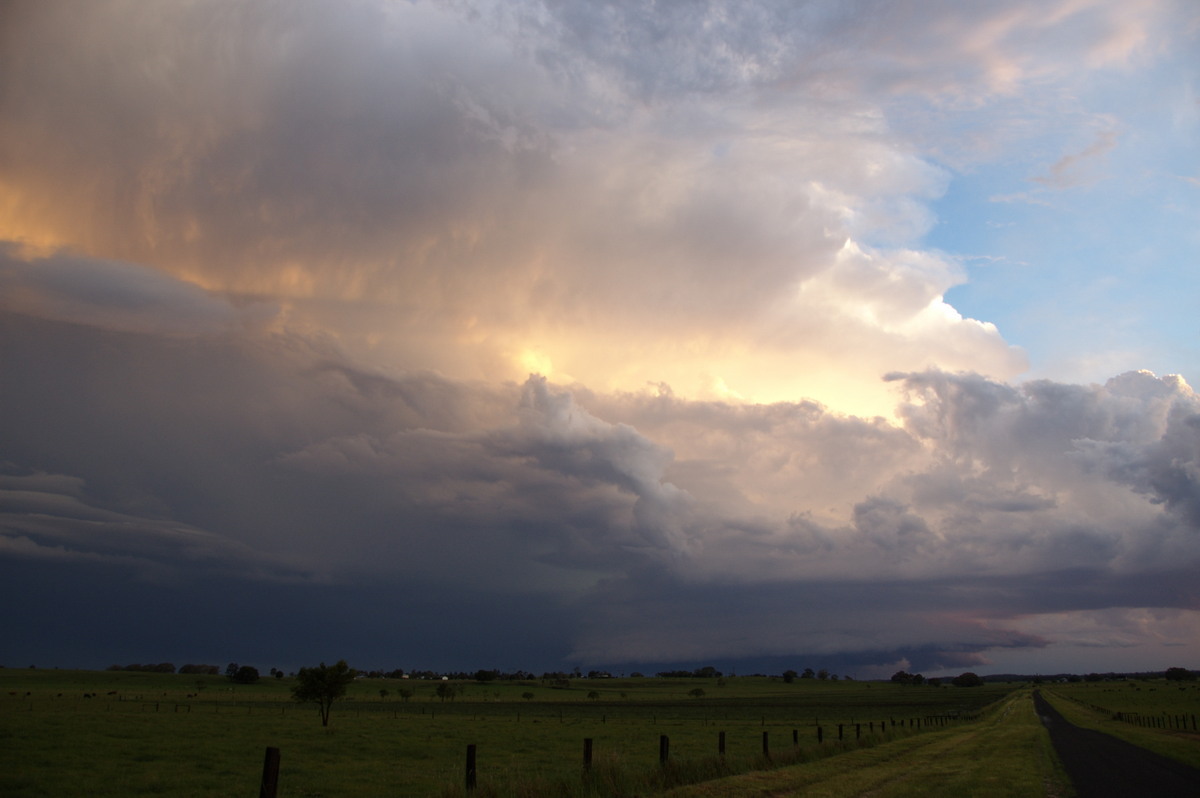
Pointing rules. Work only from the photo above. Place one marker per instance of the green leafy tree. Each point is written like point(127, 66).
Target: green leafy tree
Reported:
point(967, 679)
point(1179, 675)
point(323, 685)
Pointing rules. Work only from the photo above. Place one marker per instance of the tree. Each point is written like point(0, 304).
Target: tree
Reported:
point(789, 676)
point(247, 674)
point(323, 685)
point(1179, 675)
point(696, 692)
point(967, 679)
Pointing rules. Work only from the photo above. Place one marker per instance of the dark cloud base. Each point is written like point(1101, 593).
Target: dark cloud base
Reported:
point(76, 616)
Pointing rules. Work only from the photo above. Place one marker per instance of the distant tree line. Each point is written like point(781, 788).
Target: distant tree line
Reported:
point(200, 670)
point(967, 679)
point(707, 672)
point(790, 676)
point(162, 667)
point(247, 674)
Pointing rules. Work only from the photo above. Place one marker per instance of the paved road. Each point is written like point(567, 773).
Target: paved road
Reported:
point(1102, 766)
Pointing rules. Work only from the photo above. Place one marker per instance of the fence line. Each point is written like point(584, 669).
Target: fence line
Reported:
point(1184, 722)
point(270, 773)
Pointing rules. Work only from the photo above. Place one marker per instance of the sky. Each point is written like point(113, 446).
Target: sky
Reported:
point(612, 335)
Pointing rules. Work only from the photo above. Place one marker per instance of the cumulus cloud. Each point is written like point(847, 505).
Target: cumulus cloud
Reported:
point(496, 203)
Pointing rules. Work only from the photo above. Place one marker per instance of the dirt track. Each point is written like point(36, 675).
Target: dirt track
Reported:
point(1101, 766)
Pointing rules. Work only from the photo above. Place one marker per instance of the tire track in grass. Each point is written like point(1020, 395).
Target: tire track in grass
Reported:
point(878, 785)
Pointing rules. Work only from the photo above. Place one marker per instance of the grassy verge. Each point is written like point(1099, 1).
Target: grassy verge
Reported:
point(1181, 746)
point(1005, 755)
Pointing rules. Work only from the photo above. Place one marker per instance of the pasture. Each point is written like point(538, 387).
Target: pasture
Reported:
point(1155, 714)
point(143, 733)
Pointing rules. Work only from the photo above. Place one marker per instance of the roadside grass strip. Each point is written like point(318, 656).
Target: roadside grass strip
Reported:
point(1007, 754)
point(1182, 746)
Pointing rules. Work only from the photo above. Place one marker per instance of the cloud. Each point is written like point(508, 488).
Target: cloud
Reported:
point(48, 517)
point(1073, 170)
point(629, 513)
point(116, 296)
point(572, 311)
point(466, 193)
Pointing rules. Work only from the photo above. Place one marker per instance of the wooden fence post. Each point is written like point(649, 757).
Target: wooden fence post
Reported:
point(766, 746)
point(270, 774)
point(587, 753)
point(795, 737)
point(839, 731)
point(820, 735)
point(721, 744)
point(664, 749)
point(471, 767)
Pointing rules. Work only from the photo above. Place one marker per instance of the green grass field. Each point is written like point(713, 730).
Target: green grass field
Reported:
point(1174, 705)
point(146, 733)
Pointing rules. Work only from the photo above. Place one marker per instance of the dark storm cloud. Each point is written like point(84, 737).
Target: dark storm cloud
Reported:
point(664, 529)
